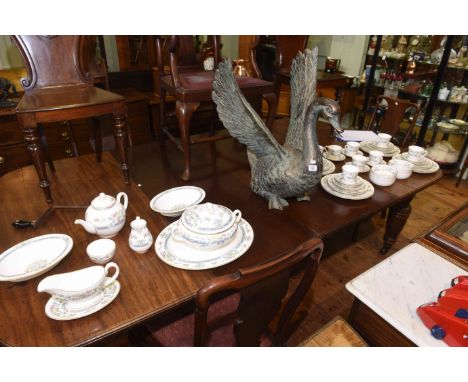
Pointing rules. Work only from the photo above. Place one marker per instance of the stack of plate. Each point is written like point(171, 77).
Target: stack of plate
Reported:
point(424, 166)
point(388, 151)
point(360, 189)
point(328, 167)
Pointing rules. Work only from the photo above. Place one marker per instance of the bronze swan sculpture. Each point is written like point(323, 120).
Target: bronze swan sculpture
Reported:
point(291, 170)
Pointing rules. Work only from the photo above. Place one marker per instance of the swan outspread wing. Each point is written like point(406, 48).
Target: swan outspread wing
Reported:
point(239, 117)
point(303, 88)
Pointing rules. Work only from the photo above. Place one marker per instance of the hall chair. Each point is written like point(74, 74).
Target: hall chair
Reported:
point(389, 115)
point(191, 85)
point(251, 307)
point(58, 89)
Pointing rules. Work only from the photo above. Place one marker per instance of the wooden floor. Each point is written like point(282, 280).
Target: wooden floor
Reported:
point(343, 260)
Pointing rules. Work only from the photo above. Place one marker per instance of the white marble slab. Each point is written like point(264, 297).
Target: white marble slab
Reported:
point(397, 286)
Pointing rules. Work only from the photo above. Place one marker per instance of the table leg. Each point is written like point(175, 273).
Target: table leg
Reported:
point(31, 135)
point(120, 131)
point(397, 217)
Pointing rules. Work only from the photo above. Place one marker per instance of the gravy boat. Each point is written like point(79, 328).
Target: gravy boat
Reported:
point(79, 285)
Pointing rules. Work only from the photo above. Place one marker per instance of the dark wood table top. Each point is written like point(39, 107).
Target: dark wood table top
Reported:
point(324, 79)
point(149, 286)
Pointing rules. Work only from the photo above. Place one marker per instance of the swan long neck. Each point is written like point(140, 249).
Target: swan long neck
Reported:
point(311, 150)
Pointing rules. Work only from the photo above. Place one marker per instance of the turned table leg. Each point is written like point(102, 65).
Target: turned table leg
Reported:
point(31, 136)
point(120, 131)
point(184, 111)
point(396, 219)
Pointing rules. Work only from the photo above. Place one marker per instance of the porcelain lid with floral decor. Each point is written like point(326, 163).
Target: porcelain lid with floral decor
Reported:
point(103, 201)
point(208, 218)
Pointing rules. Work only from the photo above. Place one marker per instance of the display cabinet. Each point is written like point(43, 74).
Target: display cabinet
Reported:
point(431, 71)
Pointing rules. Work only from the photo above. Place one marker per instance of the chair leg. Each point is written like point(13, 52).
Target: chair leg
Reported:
point(45, 146)
point(120, 132)
point(272, 101)
point(76, 153)
point(97, 134)
point(184, 111)
point(31, 135)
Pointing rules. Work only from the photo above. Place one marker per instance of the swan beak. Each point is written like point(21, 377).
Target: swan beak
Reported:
point(336, 125)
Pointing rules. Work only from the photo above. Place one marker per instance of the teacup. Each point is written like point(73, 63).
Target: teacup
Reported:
point(416, 153)
point(349, 173)
point(375, 157)
point(383, 140)
point(403, 167)
point(352, 148)
point(334, 151)
point(101, 251)
point(359, 161)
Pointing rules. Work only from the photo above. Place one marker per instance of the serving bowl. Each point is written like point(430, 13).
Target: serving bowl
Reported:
point(175, 201)
point(403, 167)
point(207, 226)
point(383, 175)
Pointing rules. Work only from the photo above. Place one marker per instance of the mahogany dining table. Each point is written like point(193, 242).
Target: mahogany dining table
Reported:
point(149, 287)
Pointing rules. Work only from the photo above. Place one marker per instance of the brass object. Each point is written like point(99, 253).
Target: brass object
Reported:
point(2, 160)
point(240, 70)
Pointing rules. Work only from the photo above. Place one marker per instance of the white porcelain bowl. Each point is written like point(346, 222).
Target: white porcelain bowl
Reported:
point(101, 251)
point(383, 175)
point(403, 167)
point(175, 201)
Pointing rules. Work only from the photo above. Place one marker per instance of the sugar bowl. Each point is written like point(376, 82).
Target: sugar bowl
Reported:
point(207, 226)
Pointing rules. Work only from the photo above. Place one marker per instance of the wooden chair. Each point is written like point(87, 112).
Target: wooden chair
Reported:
point(389, 115)
point(191, 85)
point(258, 296)
point(56, 90)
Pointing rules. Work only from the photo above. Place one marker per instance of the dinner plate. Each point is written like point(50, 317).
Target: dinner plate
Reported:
point(61, 310)
point(33, 257)
point(389, 151)
point(180, 255)
point(425, 166)
point(328, 167)
point(331, 184)
point(175, 201)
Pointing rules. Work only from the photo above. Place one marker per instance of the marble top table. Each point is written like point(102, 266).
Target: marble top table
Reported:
point(397, 286)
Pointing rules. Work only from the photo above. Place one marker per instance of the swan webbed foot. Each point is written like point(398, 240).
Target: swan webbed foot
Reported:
point(277, 203)
point(303, 198)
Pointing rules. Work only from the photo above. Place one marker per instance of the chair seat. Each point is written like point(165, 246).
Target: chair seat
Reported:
point(201, 83)
point(65, 97)
point(220, 319)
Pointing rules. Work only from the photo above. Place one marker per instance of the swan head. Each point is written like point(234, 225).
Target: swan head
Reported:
point(331, 110)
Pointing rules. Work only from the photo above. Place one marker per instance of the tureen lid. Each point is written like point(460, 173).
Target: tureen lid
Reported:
point(103, 201)
point(208, 218)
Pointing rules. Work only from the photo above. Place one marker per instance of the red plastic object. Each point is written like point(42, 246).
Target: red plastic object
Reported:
point(447, 318)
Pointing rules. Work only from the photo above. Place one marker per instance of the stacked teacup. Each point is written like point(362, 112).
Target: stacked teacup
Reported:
point(352, 148)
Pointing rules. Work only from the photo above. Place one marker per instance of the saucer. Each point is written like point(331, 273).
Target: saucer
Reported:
point(61, 310)
point(362, 189)
point(180, 255)
point(425, 166)
point(359, 152)
point(363, 168)
point(372, 164)
point(338, 158)
point(388, 151)
point(328, 167)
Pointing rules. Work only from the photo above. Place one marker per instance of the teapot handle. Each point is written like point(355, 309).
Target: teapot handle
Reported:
point(116, 273)
point(238, 215)
point(119, 196)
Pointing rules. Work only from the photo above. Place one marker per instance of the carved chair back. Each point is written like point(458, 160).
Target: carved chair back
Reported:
point(286, 50)
point(389, 114)
point(90, 62)
point(52, 61)
point(265, 292)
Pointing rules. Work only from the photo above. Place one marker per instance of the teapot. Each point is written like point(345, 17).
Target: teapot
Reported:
point(105, 216)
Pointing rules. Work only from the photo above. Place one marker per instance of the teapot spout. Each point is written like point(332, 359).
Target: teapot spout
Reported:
point(86, 225)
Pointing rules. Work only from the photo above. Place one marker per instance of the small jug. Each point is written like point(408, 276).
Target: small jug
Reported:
point(140, 238)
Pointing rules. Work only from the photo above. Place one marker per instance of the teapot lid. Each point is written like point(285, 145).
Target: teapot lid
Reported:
point(103, 201)
point(208, 218)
